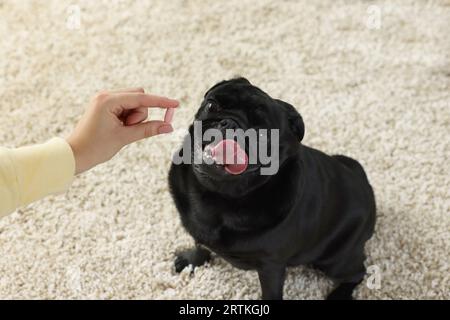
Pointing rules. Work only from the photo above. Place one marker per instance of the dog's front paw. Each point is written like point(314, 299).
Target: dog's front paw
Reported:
point(195, 257)
point(180, 263)
point(342, 292)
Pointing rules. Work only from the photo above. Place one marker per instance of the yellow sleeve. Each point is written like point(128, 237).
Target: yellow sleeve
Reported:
point(30, 173)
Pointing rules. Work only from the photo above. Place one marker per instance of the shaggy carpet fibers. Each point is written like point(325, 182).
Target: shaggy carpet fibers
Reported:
point(371, 79)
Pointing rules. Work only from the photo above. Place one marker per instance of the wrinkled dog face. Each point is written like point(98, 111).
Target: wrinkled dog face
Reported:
point(245, 137)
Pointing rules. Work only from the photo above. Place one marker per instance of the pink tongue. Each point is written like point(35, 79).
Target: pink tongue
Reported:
point(230, 154)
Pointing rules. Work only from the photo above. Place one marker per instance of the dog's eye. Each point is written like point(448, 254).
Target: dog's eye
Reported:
point(212, 106)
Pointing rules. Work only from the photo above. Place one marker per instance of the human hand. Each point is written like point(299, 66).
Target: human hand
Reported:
point(113, 120)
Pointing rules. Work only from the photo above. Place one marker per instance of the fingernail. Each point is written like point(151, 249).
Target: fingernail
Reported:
point(175, 102)
point(165, 129)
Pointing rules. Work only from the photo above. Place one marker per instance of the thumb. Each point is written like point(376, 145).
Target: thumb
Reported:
point(146, 130)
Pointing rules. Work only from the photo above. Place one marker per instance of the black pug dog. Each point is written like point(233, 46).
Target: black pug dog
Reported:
point(317, 209)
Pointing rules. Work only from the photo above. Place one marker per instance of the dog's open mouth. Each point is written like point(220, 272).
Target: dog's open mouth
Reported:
point(229, 154)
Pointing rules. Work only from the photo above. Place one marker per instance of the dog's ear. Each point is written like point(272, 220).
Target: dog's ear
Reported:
point(235, 80)
point(295, 119)
point(239, 79)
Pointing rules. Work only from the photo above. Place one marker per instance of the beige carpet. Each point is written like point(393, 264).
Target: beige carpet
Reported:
point(377, 90)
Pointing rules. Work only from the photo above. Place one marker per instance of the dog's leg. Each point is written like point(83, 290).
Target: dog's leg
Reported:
point(196, 257)
point(271, 279)
point(343, 291)
point(347, 273)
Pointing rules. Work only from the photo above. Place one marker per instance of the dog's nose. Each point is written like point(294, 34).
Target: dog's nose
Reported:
point(227, 124)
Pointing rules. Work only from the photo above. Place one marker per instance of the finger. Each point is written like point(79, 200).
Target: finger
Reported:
point(135, 116)
point(134, 100)
point(168, 117)
point(125, 90)
point(145, 130)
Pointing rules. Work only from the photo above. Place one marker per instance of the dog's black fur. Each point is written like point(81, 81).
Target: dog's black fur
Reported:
point(317, 210)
